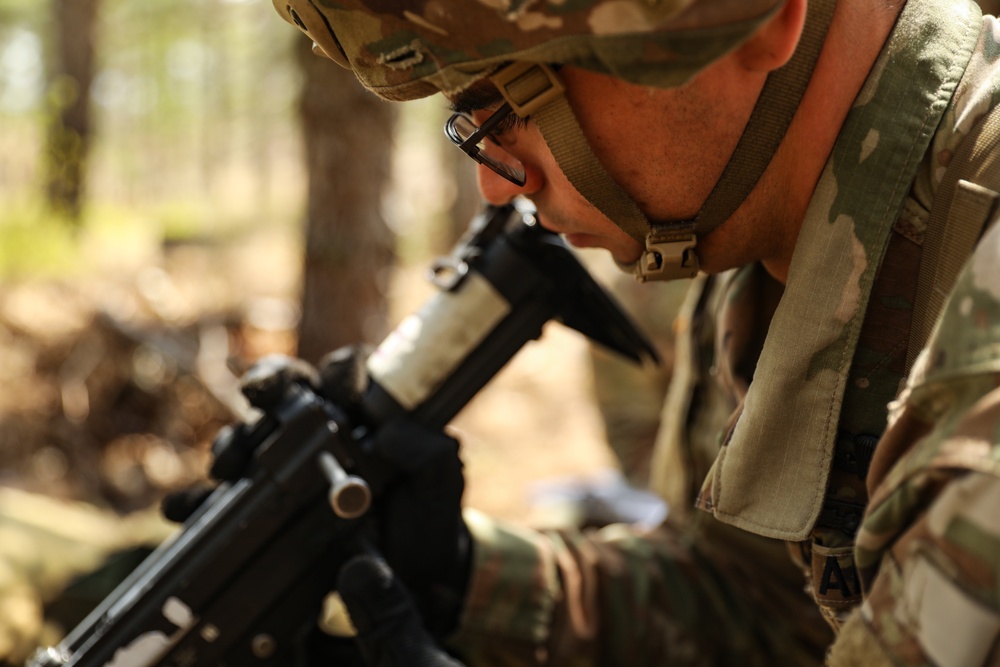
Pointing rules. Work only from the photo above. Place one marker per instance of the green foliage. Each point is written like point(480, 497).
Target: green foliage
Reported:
point(33, 242)
point(36, 242)
point(194, 120)
point(181, 220)
point(11, 10)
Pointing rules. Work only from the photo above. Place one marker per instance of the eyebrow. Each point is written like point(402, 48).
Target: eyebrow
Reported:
point(476, 98)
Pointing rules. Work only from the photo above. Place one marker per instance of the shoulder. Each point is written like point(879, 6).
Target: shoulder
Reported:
point(976, 93)
point(966, 338)
point(928, 547)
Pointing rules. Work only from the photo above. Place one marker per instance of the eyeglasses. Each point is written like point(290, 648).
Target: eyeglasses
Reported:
point(481, 145)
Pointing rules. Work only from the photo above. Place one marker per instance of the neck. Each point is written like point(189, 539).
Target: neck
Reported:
point(857, 33)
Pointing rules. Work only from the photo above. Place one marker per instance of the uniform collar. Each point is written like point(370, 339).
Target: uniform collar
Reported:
point(770, 477)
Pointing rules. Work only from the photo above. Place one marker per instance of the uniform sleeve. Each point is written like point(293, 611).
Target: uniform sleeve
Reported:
point(621, 597)
point(928, 551)
point(932, 551)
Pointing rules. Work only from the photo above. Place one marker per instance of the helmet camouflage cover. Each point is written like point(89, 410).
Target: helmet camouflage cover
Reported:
point(407, 49)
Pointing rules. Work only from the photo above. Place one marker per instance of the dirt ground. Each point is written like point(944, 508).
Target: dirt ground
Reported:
point(116, 382)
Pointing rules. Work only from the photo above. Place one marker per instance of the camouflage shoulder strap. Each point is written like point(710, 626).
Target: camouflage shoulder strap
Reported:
point(965, 205)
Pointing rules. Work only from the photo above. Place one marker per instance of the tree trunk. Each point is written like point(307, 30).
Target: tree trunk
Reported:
point(74, 27)
point(991, 7)
point(349, 250)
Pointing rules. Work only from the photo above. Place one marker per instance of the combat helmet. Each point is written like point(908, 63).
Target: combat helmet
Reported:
point(407, 49)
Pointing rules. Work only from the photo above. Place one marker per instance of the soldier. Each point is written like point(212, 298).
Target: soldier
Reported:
point(824, 179)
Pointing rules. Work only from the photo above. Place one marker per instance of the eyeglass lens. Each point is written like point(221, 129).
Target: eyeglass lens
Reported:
point(461, 128)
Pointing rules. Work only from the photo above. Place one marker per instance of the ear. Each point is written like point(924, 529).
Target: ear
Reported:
point(773, 44)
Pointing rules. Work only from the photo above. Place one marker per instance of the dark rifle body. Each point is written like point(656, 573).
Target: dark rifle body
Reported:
point(243, 581)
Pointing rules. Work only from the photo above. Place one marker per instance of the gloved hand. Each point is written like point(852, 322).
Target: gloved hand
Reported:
point(264, 385)
point(417, 520)
point(416, 523)
point(390, 632)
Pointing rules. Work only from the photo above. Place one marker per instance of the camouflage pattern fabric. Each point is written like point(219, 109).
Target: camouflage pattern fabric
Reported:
point(789, 422)
point(617, 597)
point(698, 592)
point(406, 49)
point(928, 551)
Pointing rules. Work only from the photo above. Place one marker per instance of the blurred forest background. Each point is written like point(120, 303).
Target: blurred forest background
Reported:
point(185, 187)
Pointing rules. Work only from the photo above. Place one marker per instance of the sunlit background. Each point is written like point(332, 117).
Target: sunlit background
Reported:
point(193, 128)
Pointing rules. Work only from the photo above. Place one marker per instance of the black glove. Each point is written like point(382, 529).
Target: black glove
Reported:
point(418, 519)
point(178, 506)
point(264, 385)
point(416, 522)
point(390, 632)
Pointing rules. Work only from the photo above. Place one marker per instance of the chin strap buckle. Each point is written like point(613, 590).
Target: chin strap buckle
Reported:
point(668, 260)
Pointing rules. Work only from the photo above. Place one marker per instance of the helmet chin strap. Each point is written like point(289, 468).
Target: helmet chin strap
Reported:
point(534, 89)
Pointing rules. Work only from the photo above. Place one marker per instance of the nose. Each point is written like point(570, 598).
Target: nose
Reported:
point(498, 191)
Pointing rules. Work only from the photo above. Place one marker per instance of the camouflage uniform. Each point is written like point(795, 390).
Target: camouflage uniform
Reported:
point(757, 363)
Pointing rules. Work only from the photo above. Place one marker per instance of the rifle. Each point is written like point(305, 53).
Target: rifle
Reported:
point(244, 579)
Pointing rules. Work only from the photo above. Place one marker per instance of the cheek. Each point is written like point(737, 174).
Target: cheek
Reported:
point(666, 148)
point(498, 190)
point(648, 147)
point(494, 188)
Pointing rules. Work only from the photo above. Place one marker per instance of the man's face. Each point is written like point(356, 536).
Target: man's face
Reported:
point(665, 148)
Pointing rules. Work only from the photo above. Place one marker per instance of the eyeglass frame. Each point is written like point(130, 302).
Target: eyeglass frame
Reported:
point(505, 80)
point(470, 146)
